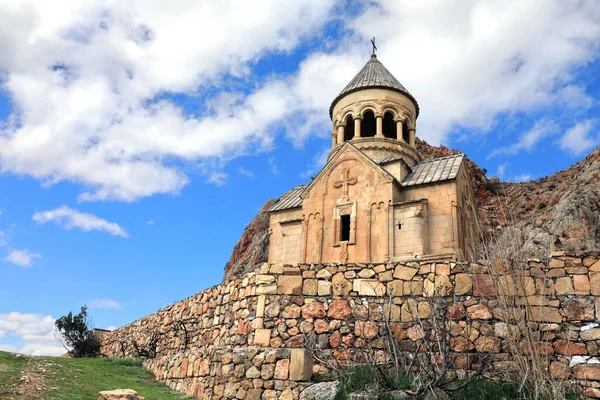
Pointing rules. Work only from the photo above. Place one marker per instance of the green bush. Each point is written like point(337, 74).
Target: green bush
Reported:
point(76, 334)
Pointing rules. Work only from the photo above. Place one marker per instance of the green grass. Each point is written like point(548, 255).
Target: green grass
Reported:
point(364, 379)
point(84, 378)
point(10, 371)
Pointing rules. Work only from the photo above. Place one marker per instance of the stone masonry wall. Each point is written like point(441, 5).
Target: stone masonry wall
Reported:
point(246, 339)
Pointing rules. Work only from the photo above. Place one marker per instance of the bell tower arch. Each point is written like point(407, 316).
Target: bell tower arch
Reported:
point(377, 115)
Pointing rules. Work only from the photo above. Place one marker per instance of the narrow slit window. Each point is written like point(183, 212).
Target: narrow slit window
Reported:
point(345, 228)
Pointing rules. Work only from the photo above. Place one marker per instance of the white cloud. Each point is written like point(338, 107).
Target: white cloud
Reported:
point(36, 332)
point(3, 240)
point(105, 303)
point(501, 170)
point(111, 328)
point(70, 218)
point(22, 258)
point(8, 347)
point(319, 160)
point(150, 222)
point(246, 172)
point(577, 139)
point(522, 178)
point(273, 166)
point(100, 65)
point(540, 130)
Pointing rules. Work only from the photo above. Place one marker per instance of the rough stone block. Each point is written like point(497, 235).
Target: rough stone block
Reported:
point(369, 287)
point(462, 284)
point(260, 306)
point(289, 284)
point(301, 365)
point(581, 284)
point(266, 289)
point(310, 287)
point(589, 372)
point(324, 288)
point(282, 369)
point(405, 273)
point(545, 314)
point(483, 285)
point(564, 286)
point(595, 282)
point(262, 337)
point(120, 394)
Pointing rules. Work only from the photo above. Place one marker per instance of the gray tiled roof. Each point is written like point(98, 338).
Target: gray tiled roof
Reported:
point(373, 75)
point(289, 199)
point(438, 169)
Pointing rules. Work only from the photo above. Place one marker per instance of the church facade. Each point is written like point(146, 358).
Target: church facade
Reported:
point(376, 200)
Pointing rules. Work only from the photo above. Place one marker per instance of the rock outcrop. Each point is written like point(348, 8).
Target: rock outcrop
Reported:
point(253, 247)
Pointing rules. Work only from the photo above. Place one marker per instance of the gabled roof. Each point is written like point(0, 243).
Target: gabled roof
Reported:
point(347, 146)
point(290, 199)
point(428, 171)
point(373, 75)
point(436, 170)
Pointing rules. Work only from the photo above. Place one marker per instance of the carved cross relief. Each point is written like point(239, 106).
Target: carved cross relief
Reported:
point(345, 182)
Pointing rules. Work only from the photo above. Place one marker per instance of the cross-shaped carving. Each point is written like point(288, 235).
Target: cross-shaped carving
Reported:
point(345, 182)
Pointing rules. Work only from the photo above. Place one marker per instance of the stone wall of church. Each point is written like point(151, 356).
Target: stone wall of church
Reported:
point(285, 236)
point(247, 339)
point(441, 215)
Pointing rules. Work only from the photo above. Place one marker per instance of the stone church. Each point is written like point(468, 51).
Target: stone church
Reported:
point(376, 200)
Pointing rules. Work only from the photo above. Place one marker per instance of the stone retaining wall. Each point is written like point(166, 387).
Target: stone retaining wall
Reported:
point(246, 339)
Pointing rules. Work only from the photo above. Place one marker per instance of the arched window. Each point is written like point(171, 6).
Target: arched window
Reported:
point(368, 125)
point(405, 134)
point(349, 129)
point(389, 126)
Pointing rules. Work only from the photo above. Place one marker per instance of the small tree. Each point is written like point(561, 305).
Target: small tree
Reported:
point(75, 332)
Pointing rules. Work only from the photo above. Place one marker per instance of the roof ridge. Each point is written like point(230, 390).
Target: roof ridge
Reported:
point(373, 75)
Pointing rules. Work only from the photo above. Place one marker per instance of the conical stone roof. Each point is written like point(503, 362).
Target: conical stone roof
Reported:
point(373, 75)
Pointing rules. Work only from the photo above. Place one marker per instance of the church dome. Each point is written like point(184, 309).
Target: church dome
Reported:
point(374, 75)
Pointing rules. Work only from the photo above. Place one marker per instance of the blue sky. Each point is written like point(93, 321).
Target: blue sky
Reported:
point(137, 143)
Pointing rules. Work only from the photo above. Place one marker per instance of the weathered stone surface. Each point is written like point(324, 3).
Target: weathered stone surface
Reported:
point(341, 286)
point(320, 391)
point(301, 365)
point(589, 372)
point(120, 394)
point(289, 284)
point(568, 348)
point(313, 310)
point(483, 285)
point(405, 273)
point(339, 309)
point(369, 287)
point(564, 286)
point(366, 329)
point(578, 309)
point(455, 311)
point(479, 311)
point(282, 369)
point(310, 287)
point(443, 286)
point(262, 337)
point(462, 284)
point(545, 314)
point(595, 283)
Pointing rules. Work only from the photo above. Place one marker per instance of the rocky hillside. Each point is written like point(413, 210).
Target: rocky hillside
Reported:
point(558, 212)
